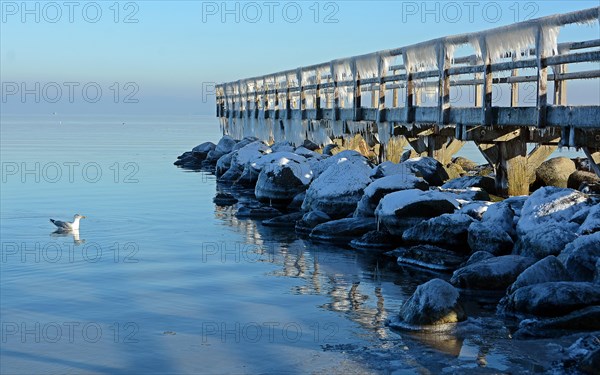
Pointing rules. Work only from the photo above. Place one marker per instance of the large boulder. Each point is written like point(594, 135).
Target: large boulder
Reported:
point(580, 256)
point(223, 147)
point(320, 165)
point(432, 304)
point(550, 299)
point(379, 240)
point(342, 231)
point(554, 172)
point(403, 209)
point(430, 169)
point(579, 178)
point(339, 188)
point(249, 153)
point(551, 205)
point(388, 168)
point(491, 274)
point(383, 186)
point(544, 240)
point(282, 176)
point(487, 237)
point(466, 164)
point(203, 149)
point(449, 230)
point(504, 215)
point(310, 220)
point(484, 182)
point(223, 164)
point(591, 223)
point(543, 271)
point(475, 209)
point(586, 319)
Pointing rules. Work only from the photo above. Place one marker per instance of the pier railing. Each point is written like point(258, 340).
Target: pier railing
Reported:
point(411, 90)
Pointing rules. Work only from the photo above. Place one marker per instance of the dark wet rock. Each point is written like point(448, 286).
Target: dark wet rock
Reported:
point(448, 230)
point(586, 319)
point(478, 256)
point(310, 145)
point(430, 257)
point(249, 177)
point(307, 153)
point(544, 240)
point(310, 220)
point(543, 271)
point(550, 299)
point(339, 188)
point(491, 274)
point(486, 183)
point(551, 204)
point(188, 161)
point(223, 164)
point(434, 303)
point(554, 172)
point(488, 238)
point(224, 199)
point(401, 210)
point(597, 272)
point(329, 148)
point(342, 231)
point(592, 221)
point(591, 362)
point(376, 240)
point(466, 164)
point(580, 256)
point(430, 169)
point(296, 203)
point(383, 186)
point(248, 212)
point(283, 221)
point(203, 149)
point(580, 356)
point(225, 145)
point(232, 175)
point(579, 178)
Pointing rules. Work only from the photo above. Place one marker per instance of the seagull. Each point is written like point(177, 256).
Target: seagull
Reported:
point(67, 225)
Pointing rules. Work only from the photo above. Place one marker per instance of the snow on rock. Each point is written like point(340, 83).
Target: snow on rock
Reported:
point(401, 210)
point(448, 230)
point(551, 204)
point(475, 209)
point(550, 299)
point(383, 186)
point(388, 168)
point(484, 182)
point(581, 255)
point(433, 303)
point(284, 176)
point(342, 231)
point(302, 151)
point(592, 221)
point(338, 189)
point(249, 153)
point(541, 241)
point(487, 237)
point(503, 215)
point(545, 270)
point(468, 194)
point(429, 257)
point(223, 147)
point(430, 169)
point(320, 166)
point(491, 274)
point(283, 146)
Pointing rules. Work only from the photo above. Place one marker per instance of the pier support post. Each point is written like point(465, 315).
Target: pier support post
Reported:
point(442, 149)
point(511, 168)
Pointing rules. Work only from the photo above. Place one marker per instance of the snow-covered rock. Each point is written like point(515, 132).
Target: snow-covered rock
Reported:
point(592, 221)
point(319, 166)
point(541, 241)
point(339, 188)
point(449, 230)
point(342, 231)
point(223, 147)
point(283, 146)
point(580, 256)
point(429, 256)
point(302, 151)
point(468, 194)
point(543, 271)
point(430, 169)
point(504, 215)
point(550, 299)
point(383, 186)
point(484, 182)
point(551, 204)
point(487, 237)
point(249, 153)
point(284, 177)
point(433, 303)
point(475, 209)
point(400, 210)
point(491, 274)
point(388, 168)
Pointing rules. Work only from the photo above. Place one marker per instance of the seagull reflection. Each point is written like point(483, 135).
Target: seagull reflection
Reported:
point(66, 233)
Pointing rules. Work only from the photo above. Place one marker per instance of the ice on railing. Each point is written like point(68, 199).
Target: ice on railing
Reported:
point(421, 58)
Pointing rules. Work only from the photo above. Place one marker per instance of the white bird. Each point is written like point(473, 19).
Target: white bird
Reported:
point(67, 225)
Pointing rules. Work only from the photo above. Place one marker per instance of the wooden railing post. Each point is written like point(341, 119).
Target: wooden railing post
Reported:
point(514, 87)
point(542, 82)
point(410, 92)
point(486, 94)
point(356, 103)
point(443, 84)
point(336, 98)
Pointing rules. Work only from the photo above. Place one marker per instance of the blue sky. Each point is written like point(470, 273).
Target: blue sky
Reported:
point(168, 50)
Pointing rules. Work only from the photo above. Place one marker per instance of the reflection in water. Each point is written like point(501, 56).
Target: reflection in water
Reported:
point(67, 233)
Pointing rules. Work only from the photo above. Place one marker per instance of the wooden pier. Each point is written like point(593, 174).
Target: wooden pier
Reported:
point(413, 91)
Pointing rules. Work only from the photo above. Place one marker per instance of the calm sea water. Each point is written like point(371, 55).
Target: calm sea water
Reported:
point(159, 280)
